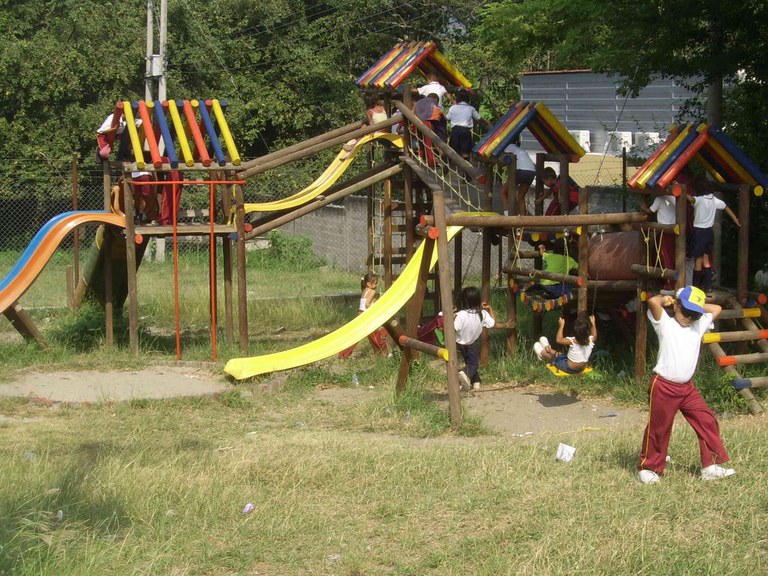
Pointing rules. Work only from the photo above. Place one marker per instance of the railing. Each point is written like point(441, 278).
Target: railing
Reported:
point(455, 175)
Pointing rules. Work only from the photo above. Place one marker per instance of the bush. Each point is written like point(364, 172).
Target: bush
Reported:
point(287, 252)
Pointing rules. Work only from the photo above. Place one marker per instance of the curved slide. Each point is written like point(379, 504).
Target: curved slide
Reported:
point(380, 312)
point(329, 177)
point(41, 248)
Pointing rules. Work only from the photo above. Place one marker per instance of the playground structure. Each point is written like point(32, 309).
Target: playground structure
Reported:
point(434, 193)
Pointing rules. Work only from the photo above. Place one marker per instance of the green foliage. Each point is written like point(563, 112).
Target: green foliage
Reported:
point(287, 252)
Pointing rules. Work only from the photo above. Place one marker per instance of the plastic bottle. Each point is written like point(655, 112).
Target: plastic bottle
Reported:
point(355, 380)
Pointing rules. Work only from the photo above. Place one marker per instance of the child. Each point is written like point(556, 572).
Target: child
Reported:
point(525, 172)
point(672, 389)
point(462, 117)
point(705, 206)
point(110, 129)
point(377, 338)
point(664, 208)
point(559, 263)
point(552, 182)
point(469, 322)
point(579, 345)
point(374, 113)
point(433, 117)
point(433, 87)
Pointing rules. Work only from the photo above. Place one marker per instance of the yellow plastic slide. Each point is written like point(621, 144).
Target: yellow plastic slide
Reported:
point(329, 177)
point(380, 312)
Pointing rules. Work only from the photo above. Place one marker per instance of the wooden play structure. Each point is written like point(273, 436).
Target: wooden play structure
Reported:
point(436, 194)
point(428, 195)
point(168, 140)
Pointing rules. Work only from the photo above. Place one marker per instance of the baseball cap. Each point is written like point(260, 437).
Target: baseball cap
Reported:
point(691, 298)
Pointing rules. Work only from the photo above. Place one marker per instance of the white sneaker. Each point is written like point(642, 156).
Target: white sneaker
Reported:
point(464, 379)
point(544, 342)
point(538, 348)
point(476, 386)
point(715, 472)
point(648, 476)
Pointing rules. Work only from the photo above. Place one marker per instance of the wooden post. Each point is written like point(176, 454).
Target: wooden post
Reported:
point(410, 220)
point(226, 252)
point(413, 312)
point(386, 210)
point(538, 317)
point(109, 309)
point(583, 306)
point(242, 295)
point(485, 282)
point(742, 274)
point(641, 328)
point(76, 231)
point(565, 201)
point(454, 401)
point(681, 204)
point(20, 320)
point(109, 323)
point(130, 263)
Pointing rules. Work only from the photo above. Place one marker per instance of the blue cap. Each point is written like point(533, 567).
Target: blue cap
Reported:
point(692, 298)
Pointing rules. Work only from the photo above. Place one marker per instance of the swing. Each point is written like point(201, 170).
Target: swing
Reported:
point(557, 372)
point(587, 369)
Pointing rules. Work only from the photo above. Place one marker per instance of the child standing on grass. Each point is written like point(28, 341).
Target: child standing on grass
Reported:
point(579, 346)
point(469, 322)
point(377, 338)
point(672, 389)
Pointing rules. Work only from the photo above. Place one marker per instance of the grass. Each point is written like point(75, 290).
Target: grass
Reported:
point(158, 487)
point(376, 484)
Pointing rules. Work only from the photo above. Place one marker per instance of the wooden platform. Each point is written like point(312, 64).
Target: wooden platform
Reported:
point(185, 229)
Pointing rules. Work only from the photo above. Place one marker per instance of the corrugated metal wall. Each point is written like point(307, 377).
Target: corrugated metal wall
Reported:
point(588, 102)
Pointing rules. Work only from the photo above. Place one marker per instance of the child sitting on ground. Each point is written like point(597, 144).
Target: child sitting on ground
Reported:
point(579, 346)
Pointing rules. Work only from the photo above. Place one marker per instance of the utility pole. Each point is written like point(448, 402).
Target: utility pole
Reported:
point(155, 68)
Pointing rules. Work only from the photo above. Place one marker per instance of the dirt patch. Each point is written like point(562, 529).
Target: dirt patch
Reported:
point(95, 386)
point(511, 411)
point(520, 412)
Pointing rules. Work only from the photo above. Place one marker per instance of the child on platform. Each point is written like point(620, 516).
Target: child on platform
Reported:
point(462, 117)
point(664, 208)
point(472, 317)
point(671, 388)
point(579, 346)
point(374, 113)
point(705, 207)
point(377, 338)
point(552, 182)
point(525, 173)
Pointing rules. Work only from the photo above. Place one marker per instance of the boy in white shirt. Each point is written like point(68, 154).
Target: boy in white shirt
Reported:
point(672, 389)
point(705, 207)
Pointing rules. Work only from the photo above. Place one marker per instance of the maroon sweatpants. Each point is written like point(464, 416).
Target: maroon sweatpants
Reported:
point(665, 399)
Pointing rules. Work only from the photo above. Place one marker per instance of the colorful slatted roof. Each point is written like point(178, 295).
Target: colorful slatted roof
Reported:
point(407, 57)
point(535, 116)
point(711, 148)
point(190, 131)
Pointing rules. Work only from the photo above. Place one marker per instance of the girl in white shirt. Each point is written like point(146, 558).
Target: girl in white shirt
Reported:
point(579, 346)
point(469, 322)
point(377, 338)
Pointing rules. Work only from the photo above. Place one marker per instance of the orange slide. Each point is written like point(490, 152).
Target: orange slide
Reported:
point(41, 248)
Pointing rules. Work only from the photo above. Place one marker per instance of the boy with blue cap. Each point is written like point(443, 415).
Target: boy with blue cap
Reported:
point(672, 389)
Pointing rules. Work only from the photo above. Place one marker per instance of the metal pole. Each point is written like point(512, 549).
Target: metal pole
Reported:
point(150, 49)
